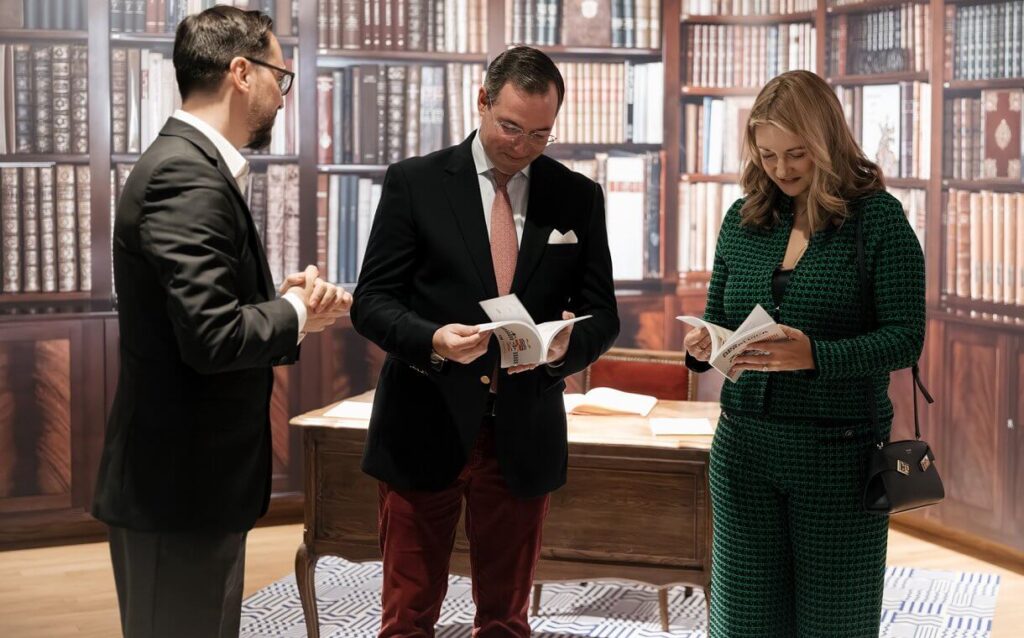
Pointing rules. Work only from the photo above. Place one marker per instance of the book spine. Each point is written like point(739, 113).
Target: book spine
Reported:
point(83, 181)
point(351, 23)
point(79, 99)
point(61, 89)
point(24, 131)
point(396, 94)
point(412, 110)
point(292, 219)
point(42, 78)
point(325, 123)
point(30, 231)
point(118, 100)
point(67, 231)
point(47, 229)
point(10, 230)
point(275, 221)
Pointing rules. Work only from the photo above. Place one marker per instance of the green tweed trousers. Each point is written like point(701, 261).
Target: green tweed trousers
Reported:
point(793, 555)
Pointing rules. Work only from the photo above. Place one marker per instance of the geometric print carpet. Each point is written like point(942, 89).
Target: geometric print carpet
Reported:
point(918, 603)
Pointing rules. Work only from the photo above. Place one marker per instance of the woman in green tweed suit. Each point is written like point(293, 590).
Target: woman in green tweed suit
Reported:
point(793, 554)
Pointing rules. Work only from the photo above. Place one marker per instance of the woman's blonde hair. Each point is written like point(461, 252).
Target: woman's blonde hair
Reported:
point(800, 103)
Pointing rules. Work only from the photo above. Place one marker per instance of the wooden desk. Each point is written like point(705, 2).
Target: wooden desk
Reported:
point(635, 507)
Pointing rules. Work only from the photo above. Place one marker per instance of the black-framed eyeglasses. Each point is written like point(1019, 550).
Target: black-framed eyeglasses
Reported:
point(516, 133)
point(284, 81)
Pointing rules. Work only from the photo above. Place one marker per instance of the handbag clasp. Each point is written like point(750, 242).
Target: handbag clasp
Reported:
point(902, 467)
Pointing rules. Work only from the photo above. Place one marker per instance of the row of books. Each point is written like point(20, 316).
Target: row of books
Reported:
point(982, 136)
point(346, 205)
point(44, 14)
point(984, 246)
point(144, 93)
point(45, 228)
point(702, 205)
point(720, 56)
point(747, 7)
point(891, 40)
point(377, 114)
point(274, 203)
point(632, 187)
point(584, 23)
point(611, 103)
point(163, 16)
point(45, 99)
point(914, 202)
point(455, 26)
point(711, 136)
point(984, 42)
point(273, 196)
point(893, 124)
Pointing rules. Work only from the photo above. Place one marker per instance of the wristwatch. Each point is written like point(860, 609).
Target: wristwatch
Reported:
point(436, 361)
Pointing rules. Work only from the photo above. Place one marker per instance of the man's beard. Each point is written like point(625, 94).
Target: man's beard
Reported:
point(260, 127)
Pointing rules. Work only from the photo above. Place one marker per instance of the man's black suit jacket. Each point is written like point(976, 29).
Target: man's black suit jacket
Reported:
point(428, 263)
point(188, 441)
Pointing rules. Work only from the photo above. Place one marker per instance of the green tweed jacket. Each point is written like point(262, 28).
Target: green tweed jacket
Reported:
point(823, 299)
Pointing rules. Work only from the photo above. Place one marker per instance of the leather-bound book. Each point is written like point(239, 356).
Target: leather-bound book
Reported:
point(1001, 150)
point(586, 23)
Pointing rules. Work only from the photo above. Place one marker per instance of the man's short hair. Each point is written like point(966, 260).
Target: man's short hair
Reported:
point(528, 70)
point(206, 42)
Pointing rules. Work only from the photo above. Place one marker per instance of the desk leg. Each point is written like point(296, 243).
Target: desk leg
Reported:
point(707, 606)
point(663, 607)
point(305, 568)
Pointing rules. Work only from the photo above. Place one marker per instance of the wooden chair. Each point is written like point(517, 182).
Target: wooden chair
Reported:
point(660, 373)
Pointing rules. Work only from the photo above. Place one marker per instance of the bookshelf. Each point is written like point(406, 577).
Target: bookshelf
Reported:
point(966, 336)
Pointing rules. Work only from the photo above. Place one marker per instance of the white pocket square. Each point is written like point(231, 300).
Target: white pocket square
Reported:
point(558, 238)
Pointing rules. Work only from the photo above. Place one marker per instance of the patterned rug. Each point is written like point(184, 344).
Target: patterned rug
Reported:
point(918, 604)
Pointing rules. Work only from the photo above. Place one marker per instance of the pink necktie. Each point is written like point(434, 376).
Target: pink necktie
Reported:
point(504, 242)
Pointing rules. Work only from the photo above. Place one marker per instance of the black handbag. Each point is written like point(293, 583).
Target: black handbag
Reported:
point(901, 475)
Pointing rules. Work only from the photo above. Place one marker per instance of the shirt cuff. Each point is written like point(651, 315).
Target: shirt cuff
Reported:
point(300, 312)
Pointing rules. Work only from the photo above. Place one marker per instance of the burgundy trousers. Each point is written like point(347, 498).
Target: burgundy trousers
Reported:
point(417, 532)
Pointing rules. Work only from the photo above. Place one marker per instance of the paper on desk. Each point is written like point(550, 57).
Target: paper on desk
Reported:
point(681, 427)
point(359, 410)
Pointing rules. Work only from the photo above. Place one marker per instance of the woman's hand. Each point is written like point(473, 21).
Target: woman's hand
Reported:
point(698, 344)
point(792, 353)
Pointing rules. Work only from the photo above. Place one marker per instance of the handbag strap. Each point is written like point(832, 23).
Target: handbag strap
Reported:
point(915, 371)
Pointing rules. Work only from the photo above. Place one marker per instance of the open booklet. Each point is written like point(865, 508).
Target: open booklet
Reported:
point(522, 341)
point(604, 401)
point(727, 344)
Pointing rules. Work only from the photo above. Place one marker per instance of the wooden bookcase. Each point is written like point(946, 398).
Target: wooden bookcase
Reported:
point(973, 362)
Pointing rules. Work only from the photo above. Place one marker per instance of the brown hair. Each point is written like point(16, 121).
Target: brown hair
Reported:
point(528, 69)
point(800, 103)
point(205, 44)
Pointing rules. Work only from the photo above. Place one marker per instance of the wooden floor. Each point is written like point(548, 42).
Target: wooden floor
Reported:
point(69, 591)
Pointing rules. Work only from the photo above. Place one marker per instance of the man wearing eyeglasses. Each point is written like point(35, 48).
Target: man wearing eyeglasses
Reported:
point(186, 463)
point(488, 217)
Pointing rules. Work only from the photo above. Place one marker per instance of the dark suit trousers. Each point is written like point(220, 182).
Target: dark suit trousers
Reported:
point(417, 532)
point(172, 585)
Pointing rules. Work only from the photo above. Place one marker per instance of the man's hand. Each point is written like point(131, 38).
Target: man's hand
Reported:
point(556, 351)
point(792, 353)
point(325, 297)
point(460, 343)
point(324, 302)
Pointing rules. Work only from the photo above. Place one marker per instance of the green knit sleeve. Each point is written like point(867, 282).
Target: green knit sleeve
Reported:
point(898, 296)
